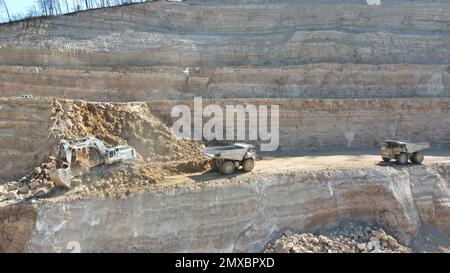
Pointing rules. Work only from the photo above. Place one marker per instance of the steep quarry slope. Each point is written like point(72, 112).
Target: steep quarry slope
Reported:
point(318, 81)
point(295, 50)
point(226, 40)
point(345, 75)
point(244, 213)
point(336, 125)
point(25, 135)
point(164, 33)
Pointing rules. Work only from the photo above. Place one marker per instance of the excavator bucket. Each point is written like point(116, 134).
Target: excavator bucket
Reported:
point(61, 177)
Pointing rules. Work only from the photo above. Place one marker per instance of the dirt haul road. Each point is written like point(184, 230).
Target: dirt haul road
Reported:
point(187, 174)
point(267, 164)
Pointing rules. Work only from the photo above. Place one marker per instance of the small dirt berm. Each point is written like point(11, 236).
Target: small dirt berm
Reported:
point(402, 151)
point(227, 159)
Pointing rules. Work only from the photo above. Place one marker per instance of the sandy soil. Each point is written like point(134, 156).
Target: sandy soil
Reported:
point(119, 181)
point(349, 160)
point(267, 164)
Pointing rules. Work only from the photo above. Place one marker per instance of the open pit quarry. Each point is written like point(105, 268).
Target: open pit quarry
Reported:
point(345, 75)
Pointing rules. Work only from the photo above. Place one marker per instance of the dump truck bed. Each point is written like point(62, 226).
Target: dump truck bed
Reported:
point(232, 152)
point(410, 146)
point(414, 147)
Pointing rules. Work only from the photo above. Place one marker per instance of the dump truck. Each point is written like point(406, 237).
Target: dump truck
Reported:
point(226, 159)
point(403, 151)
point(108, 154)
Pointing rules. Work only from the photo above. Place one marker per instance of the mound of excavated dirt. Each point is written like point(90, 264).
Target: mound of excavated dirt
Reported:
point(119, 181)
point(349, 239)
point(122, 124)
point(161, 153)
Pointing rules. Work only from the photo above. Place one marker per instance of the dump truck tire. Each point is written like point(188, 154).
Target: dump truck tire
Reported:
point(227, 167)
point(417, 157)
point(248, 164)
point(402, 158)
point(385, 159)
point(214, 165)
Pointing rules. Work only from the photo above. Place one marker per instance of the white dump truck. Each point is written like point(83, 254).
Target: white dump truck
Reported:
point(227, 159)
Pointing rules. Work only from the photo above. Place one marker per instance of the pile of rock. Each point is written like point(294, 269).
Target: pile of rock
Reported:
point(122, 124)
point(35, 184)
point(114, 124)
point(360, 239)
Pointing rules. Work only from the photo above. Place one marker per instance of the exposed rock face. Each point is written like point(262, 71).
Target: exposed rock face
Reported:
point(319, 81)
point(345, 50)
point(345, 75)
point(247, 212)
point(295, 48)
point(225, 17)
point(243, 48)
point(327, 125)
point(25, 135)
point(164, 33)
point(16, 224)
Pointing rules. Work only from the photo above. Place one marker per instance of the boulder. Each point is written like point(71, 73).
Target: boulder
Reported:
point(11, 186)
point(361, 247)
point(3, 191)
point(23, 189)
point(12, 195)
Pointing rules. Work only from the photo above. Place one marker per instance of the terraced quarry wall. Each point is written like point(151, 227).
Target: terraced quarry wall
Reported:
point(25, 135)
point(243, 215)
point(345, 75)
point(203, 34)
point(344, 51)
point(317, 81)
point(336, 125)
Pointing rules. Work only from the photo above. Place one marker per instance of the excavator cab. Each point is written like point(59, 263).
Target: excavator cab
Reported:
point(119, 153)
